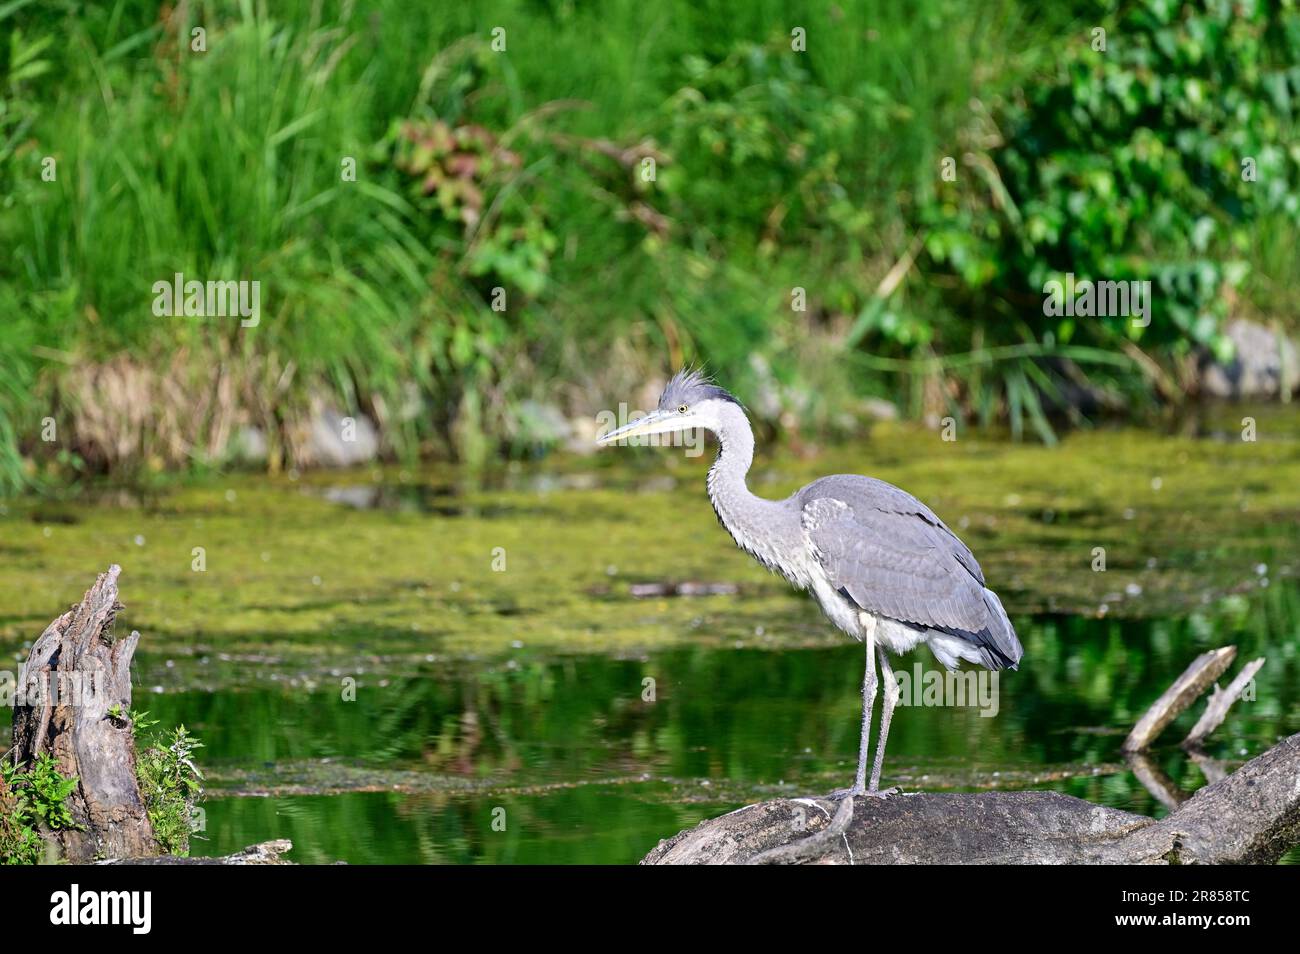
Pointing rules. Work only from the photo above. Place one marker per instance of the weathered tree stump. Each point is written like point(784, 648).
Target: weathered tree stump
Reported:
point(1250, 817)
point(75, 674)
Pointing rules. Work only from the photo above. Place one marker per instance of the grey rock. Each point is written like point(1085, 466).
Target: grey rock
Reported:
point(878, 409)
point(248, 446)
point(341, 440)
point(1263, 364)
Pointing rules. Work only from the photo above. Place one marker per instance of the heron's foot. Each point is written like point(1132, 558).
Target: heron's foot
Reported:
point(842, 793)
point(881, 792)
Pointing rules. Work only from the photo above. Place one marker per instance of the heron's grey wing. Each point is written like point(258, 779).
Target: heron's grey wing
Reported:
point(870, 493)
point(892, 561)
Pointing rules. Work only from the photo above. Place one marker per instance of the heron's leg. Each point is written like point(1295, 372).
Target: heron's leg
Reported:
point(886, 713)
point(869, 685)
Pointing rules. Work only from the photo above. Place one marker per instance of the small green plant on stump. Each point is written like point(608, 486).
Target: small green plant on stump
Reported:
point(170, 783)
point(31, 799)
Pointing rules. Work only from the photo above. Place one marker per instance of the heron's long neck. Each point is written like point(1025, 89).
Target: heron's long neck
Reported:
point(757, 525)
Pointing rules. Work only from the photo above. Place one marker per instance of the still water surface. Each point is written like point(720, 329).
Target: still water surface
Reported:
point(378, 662)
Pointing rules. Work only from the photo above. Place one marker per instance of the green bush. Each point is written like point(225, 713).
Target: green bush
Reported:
point(759, 120)
point(1153, 159)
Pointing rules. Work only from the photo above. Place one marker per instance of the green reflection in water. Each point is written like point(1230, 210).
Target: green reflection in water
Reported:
point(588, 771)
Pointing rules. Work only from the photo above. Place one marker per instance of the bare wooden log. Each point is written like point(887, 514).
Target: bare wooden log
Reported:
point(1216, 710)
point(925, 828)
point(78, 682)
point(1251, 817)
point(1187, 688)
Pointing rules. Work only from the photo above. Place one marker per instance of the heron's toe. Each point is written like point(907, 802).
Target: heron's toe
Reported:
point(881, 792)
point(842, 793)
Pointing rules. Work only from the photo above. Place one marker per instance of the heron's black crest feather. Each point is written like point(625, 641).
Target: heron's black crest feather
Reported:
point(690, 386)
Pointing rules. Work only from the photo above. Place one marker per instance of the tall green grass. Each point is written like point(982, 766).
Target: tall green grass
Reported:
point(226, 164)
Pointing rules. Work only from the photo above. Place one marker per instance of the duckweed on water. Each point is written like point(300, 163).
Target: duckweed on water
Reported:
point(273, 570)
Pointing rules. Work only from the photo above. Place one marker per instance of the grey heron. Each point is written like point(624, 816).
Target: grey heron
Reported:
point(882, 566)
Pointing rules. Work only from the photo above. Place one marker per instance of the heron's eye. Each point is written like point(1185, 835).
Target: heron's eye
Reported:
point(683, 409)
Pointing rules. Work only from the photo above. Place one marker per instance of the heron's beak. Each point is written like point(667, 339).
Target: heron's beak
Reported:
point(656, 422)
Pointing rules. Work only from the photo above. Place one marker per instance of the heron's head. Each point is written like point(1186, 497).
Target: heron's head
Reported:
point(690, 400)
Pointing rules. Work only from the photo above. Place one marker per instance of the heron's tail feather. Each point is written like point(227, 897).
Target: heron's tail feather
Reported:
point(996, 646)
point(1003, 641)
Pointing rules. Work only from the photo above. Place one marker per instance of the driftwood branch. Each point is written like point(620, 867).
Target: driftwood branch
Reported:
point(1187, 688)
point(77, 685)
point(1251, 817)
point(1217, 708)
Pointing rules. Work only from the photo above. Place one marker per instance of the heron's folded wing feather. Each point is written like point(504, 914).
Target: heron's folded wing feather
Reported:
point(869, 493)
point(896, 564)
